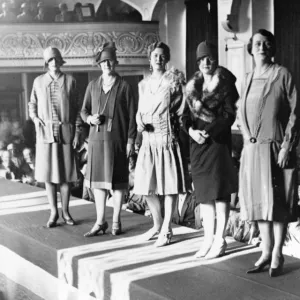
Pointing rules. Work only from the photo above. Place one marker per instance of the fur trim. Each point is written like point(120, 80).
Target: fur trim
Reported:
point(175, 77)
point(204, 102)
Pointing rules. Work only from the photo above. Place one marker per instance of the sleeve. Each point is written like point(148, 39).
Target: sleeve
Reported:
point(226, 117)
point(139, 121)
point(176, 108)
point(132, 110)
point(187, 121)
point(177, 103)
point(291, 135)
point(86, 109)
point(32, 105)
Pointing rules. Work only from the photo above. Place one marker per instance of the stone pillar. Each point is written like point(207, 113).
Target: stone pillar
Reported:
point(25, 96)
point(172, 31)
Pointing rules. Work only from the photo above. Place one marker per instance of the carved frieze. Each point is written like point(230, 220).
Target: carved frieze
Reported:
point(78, 43)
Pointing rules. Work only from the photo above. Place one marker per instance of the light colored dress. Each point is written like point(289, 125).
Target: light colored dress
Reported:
point(268, 115)
point(159, 168)
point(55, 101)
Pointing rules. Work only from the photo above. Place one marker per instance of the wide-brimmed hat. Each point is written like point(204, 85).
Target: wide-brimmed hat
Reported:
point(107, 51)
point(52, 52)
point(206, 49)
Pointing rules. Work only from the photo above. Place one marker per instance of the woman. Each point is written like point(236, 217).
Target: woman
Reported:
point(269, 119)
point(54, 110)
point(8, 169)
point(159, 169)
point(211, 97)
point(109, 108)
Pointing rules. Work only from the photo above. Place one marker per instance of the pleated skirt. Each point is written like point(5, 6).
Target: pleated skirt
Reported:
point(55, 163)
point(159, 169)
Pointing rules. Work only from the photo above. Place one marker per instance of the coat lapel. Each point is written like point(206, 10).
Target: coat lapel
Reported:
point(244, 121)
point(112, 102)
point(274, 73)
point(269, 83)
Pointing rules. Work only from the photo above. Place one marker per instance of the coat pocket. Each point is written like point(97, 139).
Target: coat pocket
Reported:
point(44, 134)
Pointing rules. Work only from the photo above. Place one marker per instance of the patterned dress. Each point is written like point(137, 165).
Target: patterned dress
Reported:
point(55, 101)
point(159, 168)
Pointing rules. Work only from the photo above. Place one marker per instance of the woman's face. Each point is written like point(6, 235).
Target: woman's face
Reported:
point(158, 59)
point(207, 65)
point(108, 66)
point(261, 48)
point(54, 64)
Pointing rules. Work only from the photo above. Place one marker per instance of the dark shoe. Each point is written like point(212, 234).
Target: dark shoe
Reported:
point(98, 228)
point(68, 220)
point(260, 267)
point(52, 222)
point(116, 228)
point(274, 272)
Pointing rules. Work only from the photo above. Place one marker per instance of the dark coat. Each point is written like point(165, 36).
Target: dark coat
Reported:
point(123, 110)
point(189, 217)
point(213, 110)
point(107, 166)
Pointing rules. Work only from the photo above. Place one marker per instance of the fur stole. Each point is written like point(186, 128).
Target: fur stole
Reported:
point(175, 77)
point(205, 103)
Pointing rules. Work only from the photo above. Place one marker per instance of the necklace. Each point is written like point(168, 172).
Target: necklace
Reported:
point(155, 84)
point(108, 85)
point(263, 72)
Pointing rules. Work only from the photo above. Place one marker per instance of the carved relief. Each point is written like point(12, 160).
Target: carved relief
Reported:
point(22, 45)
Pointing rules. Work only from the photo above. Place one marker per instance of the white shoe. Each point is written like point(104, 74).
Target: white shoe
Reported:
point(217, 249)
point(163, 239)
point(148, 235)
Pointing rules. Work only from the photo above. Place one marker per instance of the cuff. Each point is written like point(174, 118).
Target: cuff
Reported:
point(130, 141)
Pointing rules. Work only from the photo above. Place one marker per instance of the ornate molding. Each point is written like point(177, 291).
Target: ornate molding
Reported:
point(24, 44)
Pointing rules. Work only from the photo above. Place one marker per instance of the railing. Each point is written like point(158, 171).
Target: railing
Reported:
point(21, 45)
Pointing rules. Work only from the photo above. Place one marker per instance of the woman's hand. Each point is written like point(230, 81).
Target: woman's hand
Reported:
point(283, 157)
point(199, 136)
point(76, 140)
point(204, 134)
point(93, 119)
point(129, 149)
point(37, 121)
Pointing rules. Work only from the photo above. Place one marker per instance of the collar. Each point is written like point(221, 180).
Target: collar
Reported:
point(49, 79)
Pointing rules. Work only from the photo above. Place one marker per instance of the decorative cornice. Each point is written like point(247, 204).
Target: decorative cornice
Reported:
point(22, 45)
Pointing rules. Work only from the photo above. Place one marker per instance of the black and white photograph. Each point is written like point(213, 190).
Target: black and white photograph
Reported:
point(149, 149)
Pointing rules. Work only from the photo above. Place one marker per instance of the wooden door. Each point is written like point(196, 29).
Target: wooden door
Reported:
point(201, 24)
point(287, 35)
